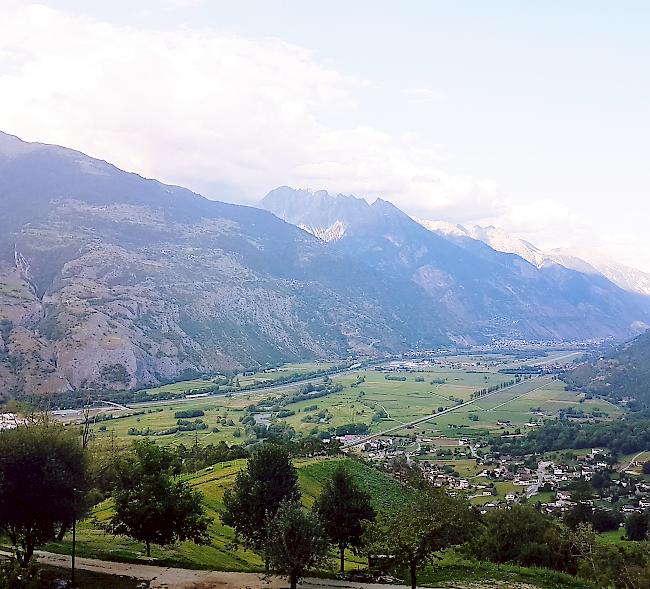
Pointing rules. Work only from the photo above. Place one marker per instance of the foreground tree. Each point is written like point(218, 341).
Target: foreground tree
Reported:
point(342, 509)
point(268, 480)
point(636, 527)
point(427, 522)
point(151, 505)
point(522, 535)
point(296, 542)
point(42, 485)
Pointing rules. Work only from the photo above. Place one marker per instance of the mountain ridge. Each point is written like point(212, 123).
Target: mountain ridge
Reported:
point(626, 277)
point(113, 281)
point(620, 375)
point(452, 270)
point(110, 280)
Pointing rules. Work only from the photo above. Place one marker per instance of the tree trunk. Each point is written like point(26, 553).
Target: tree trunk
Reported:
point(62, 532)
point(26, 555)
point(413, 569)
point(148, 549)
point(342, 549)
point(293, 578)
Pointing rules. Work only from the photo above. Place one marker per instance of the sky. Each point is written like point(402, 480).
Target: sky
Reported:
point(531, 116)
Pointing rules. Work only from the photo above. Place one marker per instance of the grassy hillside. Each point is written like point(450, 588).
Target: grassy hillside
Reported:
point(220, 555)
point(92, 541)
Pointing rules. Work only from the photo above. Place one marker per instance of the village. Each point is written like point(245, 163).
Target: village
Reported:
point(490, 480)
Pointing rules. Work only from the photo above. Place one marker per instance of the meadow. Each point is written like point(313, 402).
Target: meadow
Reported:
point(221, 554)
point(369, 398)
point(261, 377)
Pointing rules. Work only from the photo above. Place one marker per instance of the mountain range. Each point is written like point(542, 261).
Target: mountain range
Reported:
point(483, 285)
point(110, 280)
point(628, 278)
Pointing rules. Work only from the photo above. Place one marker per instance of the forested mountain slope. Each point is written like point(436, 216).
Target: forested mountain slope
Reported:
point(622, 374)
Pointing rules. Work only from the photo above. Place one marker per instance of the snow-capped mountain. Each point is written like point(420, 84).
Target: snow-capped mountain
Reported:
point(625, 277)
point(628, 278)
point(471, 290)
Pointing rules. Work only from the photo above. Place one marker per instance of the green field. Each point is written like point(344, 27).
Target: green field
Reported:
point(266, 377)
point(160, 417)
point(221, 555)
point(422, 393)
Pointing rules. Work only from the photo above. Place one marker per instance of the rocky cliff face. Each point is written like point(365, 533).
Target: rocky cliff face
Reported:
point(111, 280)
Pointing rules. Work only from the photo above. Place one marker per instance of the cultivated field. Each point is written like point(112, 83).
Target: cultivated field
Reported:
point(369, 398)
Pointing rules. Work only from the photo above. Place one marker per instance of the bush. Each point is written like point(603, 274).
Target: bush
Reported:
point(189, 414)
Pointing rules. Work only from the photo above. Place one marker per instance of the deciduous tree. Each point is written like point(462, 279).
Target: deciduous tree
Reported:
point(42, 485)
point(154, 507)
point(426, 523)
point(269, 479)
point(342, 508)
point(296, 542)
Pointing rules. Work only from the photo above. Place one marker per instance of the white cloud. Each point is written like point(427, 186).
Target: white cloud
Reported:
point(423, 96)
point(206, 108)
point(233, 117)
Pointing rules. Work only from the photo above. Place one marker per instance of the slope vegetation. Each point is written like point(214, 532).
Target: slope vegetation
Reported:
point(623, 374)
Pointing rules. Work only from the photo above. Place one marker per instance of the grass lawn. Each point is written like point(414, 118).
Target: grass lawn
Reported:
point(613, 537)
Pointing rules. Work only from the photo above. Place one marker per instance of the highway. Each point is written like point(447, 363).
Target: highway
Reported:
point(73, 414)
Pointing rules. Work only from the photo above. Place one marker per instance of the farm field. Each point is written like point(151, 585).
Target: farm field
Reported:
point(511, 409)
point(369, 398)
point(220, 412)
point(268, 376)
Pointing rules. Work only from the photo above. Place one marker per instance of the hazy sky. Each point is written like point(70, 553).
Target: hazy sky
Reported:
point(534, 116)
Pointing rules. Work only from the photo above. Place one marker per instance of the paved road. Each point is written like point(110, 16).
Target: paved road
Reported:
point(269, 389)
point(629, 464)
point(534, 488)
point(74, 413)
point(538, 382)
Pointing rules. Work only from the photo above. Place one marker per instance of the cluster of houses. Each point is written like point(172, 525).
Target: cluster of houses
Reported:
point(632, 493)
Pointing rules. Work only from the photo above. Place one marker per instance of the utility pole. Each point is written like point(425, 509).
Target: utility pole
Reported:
point(74, 531)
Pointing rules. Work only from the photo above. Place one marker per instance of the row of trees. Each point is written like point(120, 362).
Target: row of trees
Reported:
point(263, 508)
point(622, 436)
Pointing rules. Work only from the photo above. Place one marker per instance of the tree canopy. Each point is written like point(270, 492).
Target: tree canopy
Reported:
point(296, 542)
point(342, 508)
point(151, 505)
point(42, 485)
point(424, 524)
point(268, 479)
point(522, 535)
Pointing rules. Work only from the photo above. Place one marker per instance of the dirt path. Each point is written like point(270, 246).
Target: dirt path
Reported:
point(173, 578)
